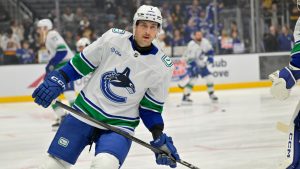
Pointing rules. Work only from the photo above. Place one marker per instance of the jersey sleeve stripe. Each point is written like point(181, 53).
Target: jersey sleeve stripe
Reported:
point(80, 65)
point(152, 110)
point(87, 61)
point(150, 105)
point(296, 48)
point(59, 47)
point(71, 62)
point(296, 54)
point(153, 100)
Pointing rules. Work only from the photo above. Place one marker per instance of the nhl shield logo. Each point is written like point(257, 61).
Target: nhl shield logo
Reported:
point(118, 80)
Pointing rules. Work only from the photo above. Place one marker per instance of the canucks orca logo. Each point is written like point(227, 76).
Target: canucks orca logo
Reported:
point(118, 80)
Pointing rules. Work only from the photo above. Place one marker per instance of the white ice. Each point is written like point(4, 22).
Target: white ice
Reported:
point(238, 132)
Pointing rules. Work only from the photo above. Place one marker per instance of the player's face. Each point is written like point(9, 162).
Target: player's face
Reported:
point(42, 31)
point(145, 32)
point(198, 36)
point(80, 48)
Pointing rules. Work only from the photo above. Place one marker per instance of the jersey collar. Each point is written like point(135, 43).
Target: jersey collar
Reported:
point(153, 50)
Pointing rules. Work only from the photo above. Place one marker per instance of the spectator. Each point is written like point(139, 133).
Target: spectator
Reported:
point(161, 39)
point(226, 43)
point(169, 28)
point(194, 9)
point(238, 45)
point(178, 39)
point(285, 39)
point(79, 14)
point(10, 44)
point(17, 29)
point(25, 54)
point(189, 29)
point(71, 42)
point(271, 40)
point(233, 28)
point(110, 9)
point(211, 38)
point(204, 24)
point(178, 15)
point(68, 18)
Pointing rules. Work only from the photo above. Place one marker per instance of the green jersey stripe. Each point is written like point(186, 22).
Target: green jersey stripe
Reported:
point(84, 106)
point(296, 48)
point(71, 62)
point(148, 98)
point(146, 103)
point(80, 65)
point(61, 47)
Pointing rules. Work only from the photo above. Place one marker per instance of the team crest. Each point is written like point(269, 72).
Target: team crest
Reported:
point(116, 79)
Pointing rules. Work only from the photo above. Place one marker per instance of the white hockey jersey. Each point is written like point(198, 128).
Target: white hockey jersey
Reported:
point(54, 42)
point(122, 80)
point(197, 51)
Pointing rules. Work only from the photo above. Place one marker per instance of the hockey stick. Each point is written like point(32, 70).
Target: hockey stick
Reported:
point(98, 124)
point(285, 127)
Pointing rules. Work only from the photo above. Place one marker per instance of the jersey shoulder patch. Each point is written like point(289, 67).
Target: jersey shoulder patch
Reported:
point(119, 31)
point(167, 61)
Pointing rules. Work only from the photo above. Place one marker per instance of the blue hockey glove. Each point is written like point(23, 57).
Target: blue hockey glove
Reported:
point(192, 69)
point(53, 85)
point(165, 143)
point(210, 59)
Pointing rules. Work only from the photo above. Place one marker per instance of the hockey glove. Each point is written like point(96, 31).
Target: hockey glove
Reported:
point(283, 81)
point(53, 85)
point(192, 69)
point(165, 143)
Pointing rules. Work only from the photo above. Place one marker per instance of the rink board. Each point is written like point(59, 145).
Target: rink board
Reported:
point(229, 72)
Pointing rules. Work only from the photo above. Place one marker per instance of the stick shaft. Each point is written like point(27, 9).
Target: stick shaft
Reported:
point(98, 124)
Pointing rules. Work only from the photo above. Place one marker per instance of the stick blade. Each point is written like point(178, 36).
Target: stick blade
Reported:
point(280, 126)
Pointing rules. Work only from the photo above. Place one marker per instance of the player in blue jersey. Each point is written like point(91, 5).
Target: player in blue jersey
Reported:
point(130, 77)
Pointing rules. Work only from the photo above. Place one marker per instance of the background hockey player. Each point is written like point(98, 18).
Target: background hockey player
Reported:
point(130, 82)
point(199, 52)
point(60, 54)
point(283, 81)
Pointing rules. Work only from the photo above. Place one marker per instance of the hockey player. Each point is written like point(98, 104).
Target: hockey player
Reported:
point(199, 51)
point(82, 43)
point(60, 54)
point(283, 81)
point(129, 82)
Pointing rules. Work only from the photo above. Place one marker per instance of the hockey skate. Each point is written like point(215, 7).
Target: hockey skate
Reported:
point(186, 100)
point(213, 98)
point(57, 122)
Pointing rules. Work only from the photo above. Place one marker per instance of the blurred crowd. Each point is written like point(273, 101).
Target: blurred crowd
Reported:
point(19, 42)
